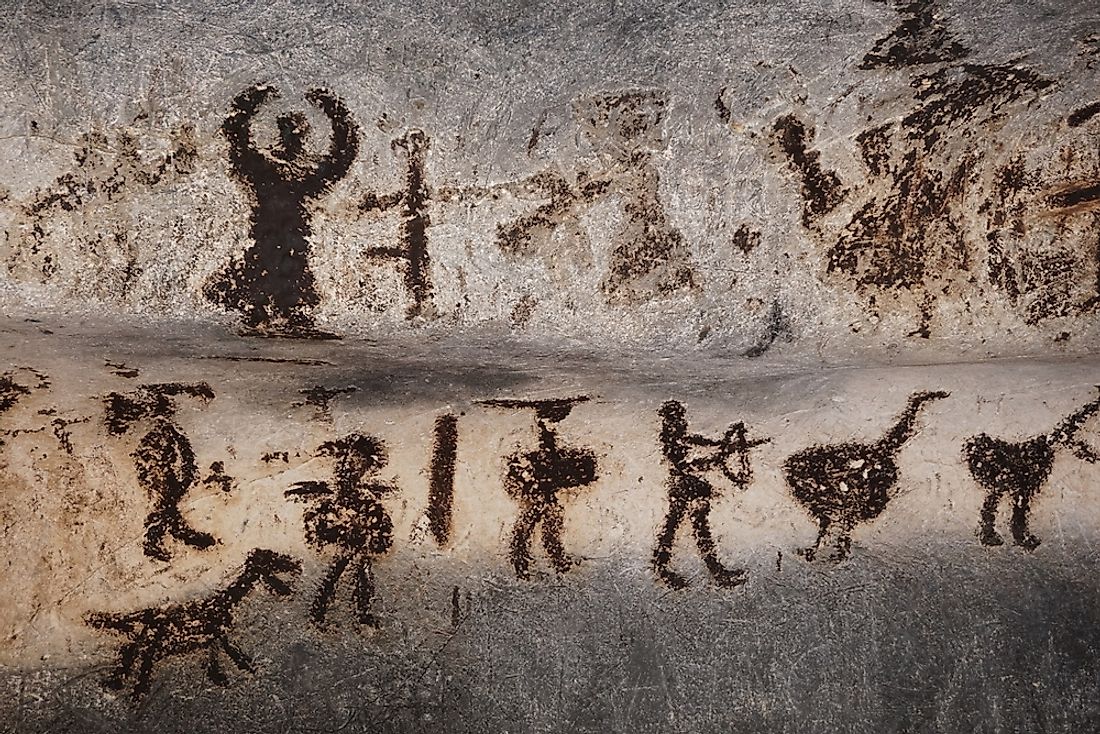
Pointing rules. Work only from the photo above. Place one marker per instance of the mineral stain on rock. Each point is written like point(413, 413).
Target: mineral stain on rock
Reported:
point(272, 284)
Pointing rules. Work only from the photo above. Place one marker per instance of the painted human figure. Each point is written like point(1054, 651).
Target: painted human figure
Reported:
point(536, 479)
point(689, 457)
point(347, 515)
point(272, 285)
point(164, 460)
point(648, 256)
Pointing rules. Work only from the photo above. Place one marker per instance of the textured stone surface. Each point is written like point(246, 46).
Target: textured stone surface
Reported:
point(641, 367)
point(918, 625)
point(723, 175)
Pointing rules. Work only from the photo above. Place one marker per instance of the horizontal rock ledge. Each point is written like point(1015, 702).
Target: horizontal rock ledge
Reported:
point(419, 529)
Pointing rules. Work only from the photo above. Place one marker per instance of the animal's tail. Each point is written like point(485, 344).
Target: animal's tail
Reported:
point(123, 623)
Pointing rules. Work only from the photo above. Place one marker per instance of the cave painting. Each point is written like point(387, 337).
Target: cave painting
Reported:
point(442, 477)
point(690, 456)
point(1019, 469)
point(164, 459)
point(904, 231)
point(346, 516)
point(537, 479)
point(412, 204)
point(271, 284)
point(198, 627)
point(843, 485)
point(15, 386)
point(648, 257)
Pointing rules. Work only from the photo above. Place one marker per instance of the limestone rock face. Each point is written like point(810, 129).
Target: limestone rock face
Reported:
point(579, 367)
point(728, 176)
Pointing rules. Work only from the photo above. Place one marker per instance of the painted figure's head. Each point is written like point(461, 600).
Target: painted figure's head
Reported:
point(294, 130)
point(623, 125)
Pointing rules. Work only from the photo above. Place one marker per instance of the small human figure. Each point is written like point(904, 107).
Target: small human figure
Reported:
point(413, 235)
point(347, 515)
point(272, 285)
point(690, 493)
point(536, 479)
point(164, 459)
point(648, 256)
point(201, 625)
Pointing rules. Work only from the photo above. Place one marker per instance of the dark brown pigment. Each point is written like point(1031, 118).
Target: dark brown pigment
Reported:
point(441, 484)
point(121, 370)
point(12, 391)
point(164, 459)
point(535, 478)
point(906, 230)
point(843, 485)
point(648, 256)
point(321, 398)
point(1083, 115)
point(776, 326)
point(95, 182)
point(1020, 469)
point(1076, 197)
point(196, 627)
point(690, 494)
point(821, 189)
point(920, 38)
point(745, 239)
point(272, 285)
point(347, 515)
point(413, 203)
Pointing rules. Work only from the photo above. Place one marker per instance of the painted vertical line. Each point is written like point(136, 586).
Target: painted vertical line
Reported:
point(442, 482)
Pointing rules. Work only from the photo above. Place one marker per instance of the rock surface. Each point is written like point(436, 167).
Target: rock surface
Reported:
point(579, 367)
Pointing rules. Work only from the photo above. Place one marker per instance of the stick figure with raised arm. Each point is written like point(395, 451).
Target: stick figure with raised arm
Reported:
point(690, 493)
point(272, 285)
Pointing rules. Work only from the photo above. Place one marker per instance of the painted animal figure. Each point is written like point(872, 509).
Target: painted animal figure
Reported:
point(1020, 469)
point(201, 625)
point(848, 483)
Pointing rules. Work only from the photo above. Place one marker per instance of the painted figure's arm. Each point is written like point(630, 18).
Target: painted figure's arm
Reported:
point(243, 155)
point(345, 141)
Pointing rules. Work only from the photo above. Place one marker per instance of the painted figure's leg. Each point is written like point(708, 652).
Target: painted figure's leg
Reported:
point(521, 541)
point(662, 552)
point(700, 521)
point(364, 592)
point(327, 590)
